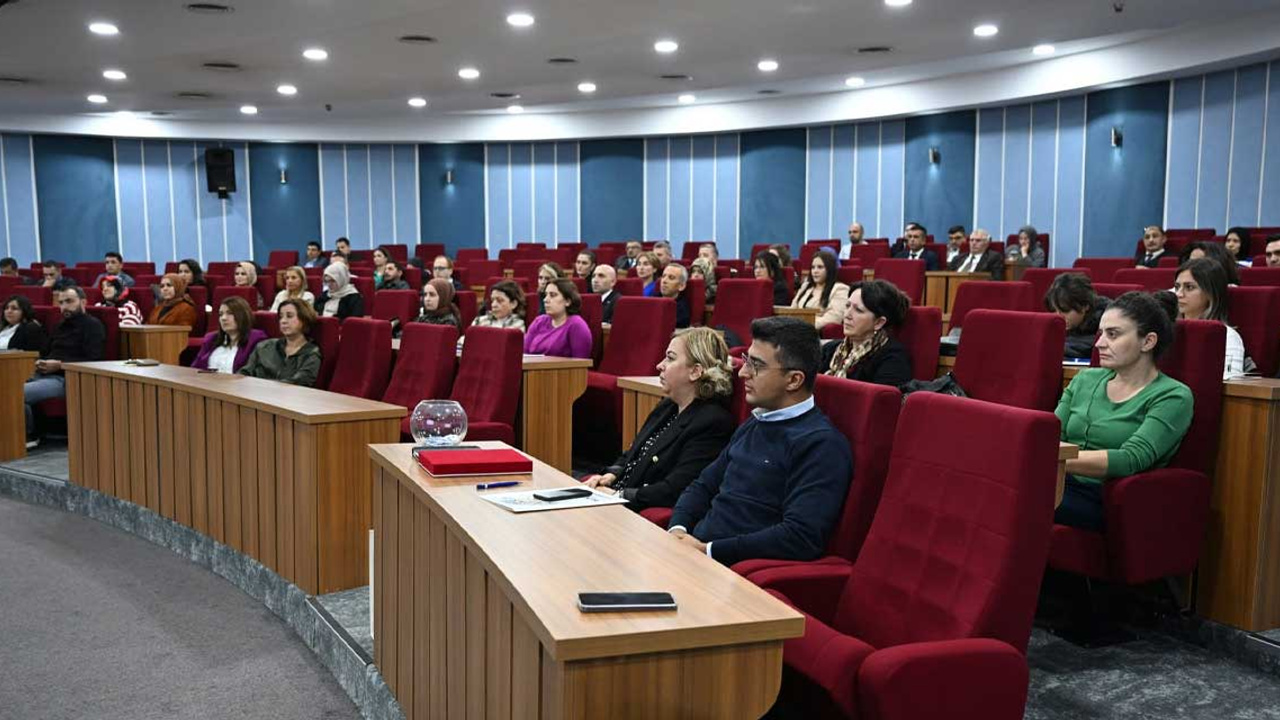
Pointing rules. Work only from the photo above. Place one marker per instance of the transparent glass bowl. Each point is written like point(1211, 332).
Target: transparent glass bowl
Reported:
point(438, 423)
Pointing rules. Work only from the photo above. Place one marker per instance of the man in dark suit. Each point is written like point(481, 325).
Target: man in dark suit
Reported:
point(980, 257)
point(915, 250)
point(602, 282)
point(1153, 240)
point(628, 262)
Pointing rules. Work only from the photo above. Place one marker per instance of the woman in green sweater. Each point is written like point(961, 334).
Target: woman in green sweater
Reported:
point(1126, 416)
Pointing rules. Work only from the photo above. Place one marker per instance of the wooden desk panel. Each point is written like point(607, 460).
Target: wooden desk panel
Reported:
point(940, 287)
point(476, 613)
point(16, 366)
point(809, 315)
point(158, 342)
point(640, 395)
point(544, 424)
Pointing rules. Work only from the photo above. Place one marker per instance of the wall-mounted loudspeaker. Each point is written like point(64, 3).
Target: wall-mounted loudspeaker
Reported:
point(220, 171)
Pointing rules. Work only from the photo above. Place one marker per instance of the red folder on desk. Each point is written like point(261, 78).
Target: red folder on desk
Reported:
point(457, 463)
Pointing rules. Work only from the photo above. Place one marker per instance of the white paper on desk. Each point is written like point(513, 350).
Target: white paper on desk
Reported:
point(523, 501)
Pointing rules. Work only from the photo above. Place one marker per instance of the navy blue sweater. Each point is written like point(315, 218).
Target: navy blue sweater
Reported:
point(775, 492)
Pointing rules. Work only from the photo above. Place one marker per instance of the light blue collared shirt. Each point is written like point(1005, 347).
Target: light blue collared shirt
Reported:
point(785, 413)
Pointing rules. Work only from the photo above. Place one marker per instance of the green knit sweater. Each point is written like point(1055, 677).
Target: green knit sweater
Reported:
point(1138, 434)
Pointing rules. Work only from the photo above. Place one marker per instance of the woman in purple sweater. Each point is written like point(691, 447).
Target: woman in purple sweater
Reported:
point(227, 350)
point(561, 331)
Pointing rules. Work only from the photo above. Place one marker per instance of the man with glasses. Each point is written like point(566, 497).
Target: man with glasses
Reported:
point(628, 262)
point(776, 491)
point(442, 269)
point(1153, 240)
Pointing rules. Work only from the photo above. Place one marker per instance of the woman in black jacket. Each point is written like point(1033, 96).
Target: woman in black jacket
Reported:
point(767, 266)
point(869, 353)
point(685, 432)
point(341, 298)
point(19, 329)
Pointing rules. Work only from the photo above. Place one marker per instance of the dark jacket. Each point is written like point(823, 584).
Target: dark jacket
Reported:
point(927, 255)
point(1140, 258)
point(393, 285)
point(1080, 339)
point(606, 304)
point(349, 306)
point(891, 365)
point(990, 262)
point(80, 337)
point(781, 295)
point(682, 311)
point(29, 336)
point(694, 440)
point(268, 360)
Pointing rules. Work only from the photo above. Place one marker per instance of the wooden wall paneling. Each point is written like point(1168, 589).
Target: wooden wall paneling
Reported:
point(305, 558)
point(552, 391)
point(267, 484)
point(455, 577)
point(151, 446)
point(526, 666)
point(216, 458)
point(106, 462)
point(438, 612)
point(553, 697)
point(165, 441)
point(1267, 608)
point(477, 618)
point(120, 454)
point(136, 489)
point(75, 438)
point(197, 467)
point(88, 419)
point(404, 595)
point(249, 480)
point(422, 578)
point(375, 582)
point(182, 457)
point(498, 651)
point(16, 367)
point(284, 497)
point(343, 478)
point(390, 588)
point(232, 511)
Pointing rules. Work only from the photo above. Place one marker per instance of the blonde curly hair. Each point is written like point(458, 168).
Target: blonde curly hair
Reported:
point(705, 347)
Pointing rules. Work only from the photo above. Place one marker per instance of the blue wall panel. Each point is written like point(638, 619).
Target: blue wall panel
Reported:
point(1044, 153)
point(892, 175)
point(521, 192)
point(285, 216)
point(382, 195)
point(1124, 186)
point(989, 176)
point(940, 195)
point(656, 182)
point(772, 188)
point(1246, 146)
point(867, 178)
point(568, 214)
point(333, 193)
point(238, 209)
point(187, 186)
point(359, 206)
point(1215, 150)
point(75, 182)
point(704, 188)
point(1065, 240)
point(404, 161)
point(820, 160)
point(680, 192)
point(544, 193)
point(162, 243)
point(1017, 170)
point(842, 190)
point(132, 218)
point(454, 214)
point(725, 212)
point(1270, 204)
point(210, 214)
point(498, 228)
point(19, 234)
point(612, 189)
point(1183, 152)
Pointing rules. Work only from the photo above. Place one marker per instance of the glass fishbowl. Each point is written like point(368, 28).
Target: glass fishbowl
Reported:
point(438, 423)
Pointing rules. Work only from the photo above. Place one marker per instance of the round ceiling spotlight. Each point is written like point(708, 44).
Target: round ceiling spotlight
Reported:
point(316, 54)
point(289, 90)
point(767, 65)
point(193, 95)
point(520, 19)
point(769, 91)
point(687, 98)
point(666, 47)
point(855, 81)
point(417, 102)
point(586, 87)
point(468, 73)
point(897, 3)
point(1044, 49)
point(986, 30)
point(114, 75)
point(97, 99)
point(103, 28)
point(515, 109)
point(249, 109)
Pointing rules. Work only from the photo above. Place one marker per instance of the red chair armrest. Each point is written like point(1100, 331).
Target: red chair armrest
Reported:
point(659, 516)
point(1156, 523)
point(814, 588)
point(956, 679)
point(747, 568)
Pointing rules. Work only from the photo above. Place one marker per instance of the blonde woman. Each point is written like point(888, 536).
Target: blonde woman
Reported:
point(685, 432)
point(295, 288)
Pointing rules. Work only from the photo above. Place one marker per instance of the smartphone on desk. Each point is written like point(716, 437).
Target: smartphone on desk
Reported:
point(625, 601)
point(564, 494)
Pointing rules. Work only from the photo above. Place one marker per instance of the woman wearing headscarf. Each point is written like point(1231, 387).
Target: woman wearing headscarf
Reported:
point(341, 298)
point(246, 275)
point(116, 295)
point(176, 306)
point(437, 304)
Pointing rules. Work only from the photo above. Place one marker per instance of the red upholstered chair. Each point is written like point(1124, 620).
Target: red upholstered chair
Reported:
point(325, 333)
point(139, 281)
point(488, 382)
point(1259, 261)
point(1150, 279)
point(531, 307)
point(468, 307)
point(932, 619)
point(850, 274)
point(907, 275)
point(630, 287)
point(282, 258)
point(424, 368)
point(142, 297)
point(97, 267)
point(1168, 261)
point(465, 256)
point(606, 256)
point(92, 295)
point(222, 292)
point(580, 284)
point(1026, 373)
point(37, 294)
point(789, 277)
point(1111, 291)
point(266, 285)
point(690, 251)
point(592, 312)
point(8, 283)
point(400, 304)
point(1260, 276)
point(215, 281)
point(364, 358)
point(268, 322)
point(1255, 313)
point(697, 294)
point(1103, 269)
point(507, 258)
point(399, 252)
point(738, 302)
point(758, 248)
point(365, 286)
point(1042, 278)
point(223, 268)
point(528, 268)
point(867, 255)
point(413, 276)
point(921, 334)
point(1156, 520)
point(110, 319)
point(992, 294)
point(478, 270)
point(134, 269)
point(531, 246)
point(426, 252)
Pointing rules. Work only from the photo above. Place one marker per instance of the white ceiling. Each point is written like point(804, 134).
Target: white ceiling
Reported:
point(369, 74)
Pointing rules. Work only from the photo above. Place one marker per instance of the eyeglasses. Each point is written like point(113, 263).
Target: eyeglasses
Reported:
point(754, 367)
point(440, 268)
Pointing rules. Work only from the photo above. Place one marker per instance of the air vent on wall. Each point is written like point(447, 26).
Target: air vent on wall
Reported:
point(505, 95)
point(768, 92)
point(14, 81)
point(160, 113)
point(221, 66)
point(210, 8)
point(874, 49)
point(562, 61)
point(676, 76)
point(417, 39)
point(190, 95)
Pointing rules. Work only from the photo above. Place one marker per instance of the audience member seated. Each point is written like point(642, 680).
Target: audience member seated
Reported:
point(1153, 241)
point(341, 298)
point(710, 253)
point(1214, 251)
point(603, 281)
point(662, 249)
point(705, 269)
point(295, 288)
point(1201, 287)
point(9, 267)
point(78, 338)
point(1028, 252)
point(315, 257)
point(1126, 416)
point(339, 257)
point(548, 272)
point(116, 295)
point(767, 266)
point(980, 258)
point(561, 331)
point(51, 275)
point(1071, 296)
point(246, 275)
point(343, 246)
point(506, 307)
point(869, 352)
point(1237, 244)
point(191, 273)
point(821, 291)
point(115, 266)
point(19, 328)
point(856, 237)
point(437, 305)
point(777, 489)
point(227, 350)
point(380, 257)
point(685, 432)
point(1272, 250)
point(672, 285)
point(392, 277)
point(584, 266)
point(176, 307)
point(442, 269)
point(627, 262)
point(648, 269)
point(955, 243)
point(291, 358)
point(915, 250)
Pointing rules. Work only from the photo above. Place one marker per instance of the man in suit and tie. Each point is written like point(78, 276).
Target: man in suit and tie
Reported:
point(627, 262)
point(980, 257)
point(915, 250)
point(955, 244)
point(1153, 240)
point(603, 281)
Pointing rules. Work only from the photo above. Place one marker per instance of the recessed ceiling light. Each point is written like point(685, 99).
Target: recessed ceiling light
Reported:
point(666, 46)
point(468, 73)
point(767, 65)
point(417, 102)
point(897, 3)
point(249, 109)
point(1044, 49)
point(193, 95)
point(687, 98)
point(520, 19)
point(586, 87)
point(161, 113)
point(515, 109)
point(97, 99)
point(986, 30)
point(114, 74)
point(855, 81)
point(103, 28)
point(316, 54)
point(287, 89)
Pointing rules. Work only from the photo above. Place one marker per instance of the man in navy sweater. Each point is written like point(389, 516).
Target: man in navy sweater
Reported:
point(776, 491)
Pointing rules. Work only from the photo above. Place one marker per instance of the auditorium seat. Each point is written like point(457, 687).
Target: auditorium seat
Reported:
point(364, 358)
point(850, 274)
point(1168, 261)
point(424, 368)
point(992, 294)
point(1103, 269)
point(468, 307)
point(282, 258)
point(580, 284)
point(1041, 238)
point(690, 250)
point(696, 292)
point(531, 307)
point(134, 269)
point(906, 275)
point(1156, 520)
point(528, 268)
point(867, 255)
point(81, 276)
point(413, 276)
point(466, 256)
point(8, 283)
point(200, 296)
point(365, 285)
point(606, 256)
point(478, 270)
point(266, 286)
point(1260, 276)
point(630, 287)
point(1012, 358)
point(222, 292)
point(933, 618)
point(1255, 313)
point(738, 302)
point(921, 334)
point(1151, 279)
point(222, 268)
point(488, 382)
point(92, 295)
point(264, 320)
point(110, 319)
point(144, 299)
point(399, 304)
point(426, 252)
point(789, 279)
point(325, 334)
point(811, 248)
point(398, 252)
point(1111, 291)
point(507, 258)
point(95, 268)
point(1042, 278)
point(37, 294)
point(758, 248)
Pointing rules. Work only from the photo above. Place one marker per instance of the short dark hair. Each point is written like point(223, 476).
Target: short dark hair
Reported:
point(386, 251)
point(24, 306)
point(955, 229)
point(1211, 276)
point(72, 287)
point(591, 254)
point(197, 274)
point(8, 262)
point(1246, 238)
point(391, 261)
point(114, 254)
point(314, 244)
point(883, 299)
point(1271, 239)
point(514, 293)
point(51, 263)
point(1216, 252)
point(772, 264)
point(341, 240)
point(1071, 291)
point(306, 313)
point(799, 346)
point(570, 293)
point(1146, 312)
point(917, 226)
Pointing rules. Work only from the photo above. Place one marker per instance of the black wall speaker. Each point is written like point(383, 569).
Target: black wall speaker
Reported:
point(220, 170)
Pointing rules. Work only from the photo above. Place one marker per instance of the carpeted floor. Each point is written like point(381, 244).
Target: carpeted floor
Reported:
point(97, 623)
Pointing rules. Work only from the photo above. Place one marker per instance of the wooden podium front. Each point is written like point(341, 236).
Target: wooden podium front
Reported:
point(15, 367)
point(158, 342)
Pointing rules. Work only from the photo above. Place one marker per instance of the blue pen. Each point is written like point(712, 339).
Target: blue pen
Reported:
point(502, 484)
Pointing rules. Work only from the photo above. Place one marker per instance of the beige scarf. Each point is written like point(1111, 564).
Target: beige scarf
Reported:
point(849, 354)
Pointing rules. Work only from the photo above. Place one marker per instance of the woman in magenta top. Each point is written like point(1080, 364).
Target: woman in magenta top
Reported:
point(560, 331)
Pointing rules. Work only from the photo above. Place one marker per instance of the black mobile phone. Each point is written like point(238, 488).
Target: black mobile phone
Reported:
point(564, 494)
point(625, 601)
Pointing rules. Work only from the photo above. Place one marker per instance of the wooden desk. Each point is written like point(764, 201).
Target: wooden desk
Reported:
point(273, 470)
point(15, 367)
point(809, 315)
point(1013, 270)
point(158, 342)
point(476, 610)
point(940, 287)
point(544, 423)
